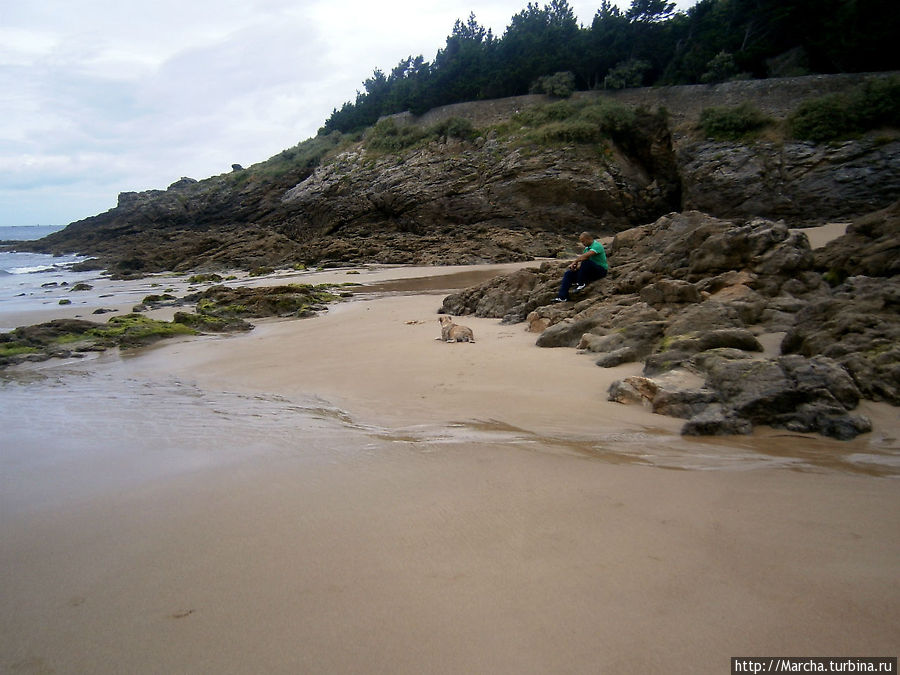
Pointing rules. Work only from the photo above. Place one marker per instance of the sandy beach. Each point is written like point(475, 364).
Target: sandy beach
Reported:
point(345, 494)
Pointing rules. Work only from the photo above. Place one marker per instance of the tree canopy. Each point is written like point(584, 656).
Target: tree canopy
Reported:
point(648, 44)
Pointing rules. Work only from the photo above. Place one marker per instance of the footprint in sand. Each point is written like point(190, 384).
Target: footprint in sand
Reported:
point(181, 614)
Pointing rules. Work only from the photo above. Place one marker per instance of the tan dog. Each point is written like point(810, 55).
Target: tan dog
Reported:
point(451, 332)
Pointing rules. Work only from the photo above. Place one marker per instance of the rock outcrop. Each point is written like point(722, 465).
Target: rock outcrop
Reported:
point(224, 222)
point(491, 199)
point(692, 294)
point(496, 194)
point(806, 183)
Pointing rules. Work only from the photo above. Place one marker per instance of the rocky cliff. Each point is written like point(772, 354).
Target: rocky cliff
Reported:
point(516, 184)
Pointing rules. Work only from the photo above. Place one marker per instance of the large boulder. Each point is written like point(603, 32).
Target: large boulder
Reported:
point(510, 297)
point(870, 247)
point(741, 391)
point(859, 327)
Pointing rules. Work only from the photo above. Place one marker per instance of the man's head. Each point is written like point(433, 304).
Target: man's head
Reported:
point(586, 238)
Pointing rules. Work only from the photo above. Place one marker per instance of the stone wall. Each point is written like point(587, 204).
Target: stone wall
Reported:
point(777, 97)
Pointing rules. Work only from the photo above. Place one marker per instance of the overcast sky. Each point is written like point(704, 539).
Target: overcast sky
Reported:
point(105, 96)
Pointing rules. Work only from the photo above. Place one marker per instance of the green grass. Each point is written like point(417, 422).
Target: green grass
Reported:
point(13, 349)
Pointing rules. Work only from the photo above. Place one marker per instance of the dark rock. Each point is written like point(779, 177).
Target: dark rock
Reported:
point(618, 357)
point(828, 420)
point(183, 182)
point(791, 392)
point(513, 295)
point(241, 302)
point(46, 333)
point(634, 390)
point(567, 333)
point(822, 378)
point(732, 338)
point(623, 391)
point(870, 247)
point(663, 362)
point(782, 180)
point(639, 338)
point(859, 326)
point(211, 324)
point(682, 349)
point(752, 388)
point(684, 403)
point(670, 292)
point(715, 421)
point(703, 318)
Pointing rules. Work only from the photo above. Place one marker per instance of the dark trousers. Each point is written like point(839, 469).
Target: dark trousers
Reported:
point(585, 274)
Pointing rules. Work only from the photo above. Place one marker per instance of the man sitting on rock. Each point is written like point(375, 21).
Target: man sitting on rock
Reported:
point(587, 267)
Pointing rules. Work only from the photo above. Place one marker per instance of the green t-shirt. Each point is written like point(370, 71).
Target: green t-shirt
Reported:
point(599, 257)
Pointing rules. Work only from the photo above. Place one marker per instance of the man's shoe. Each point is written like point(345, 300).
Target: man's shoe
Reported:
point(558, 300)
point(580, 287)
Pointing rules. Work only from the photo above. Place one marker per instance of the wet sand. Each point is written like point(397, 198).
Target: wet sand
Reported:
point(345, 494)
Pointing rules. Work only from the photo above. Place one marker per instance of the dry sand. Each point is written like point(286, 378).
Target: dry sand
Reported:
point(480, 508)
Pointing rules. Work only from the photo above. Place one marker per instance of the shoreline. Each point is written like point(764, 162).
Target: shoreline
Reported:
point(385, 368)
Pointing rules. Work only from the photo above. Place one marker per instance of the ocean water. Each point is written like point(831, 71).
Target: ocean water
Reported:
point(27, 232)
point(24, 274)
point(26, 278)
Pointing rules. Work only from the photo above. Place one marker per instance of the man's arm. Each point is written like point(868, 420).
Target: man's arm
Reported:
point(587, 255)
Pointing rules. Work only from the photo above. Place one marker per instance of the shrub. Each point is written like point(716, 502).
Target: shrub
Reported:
point(578, 122)
point(823, 119)
point(720, 68)
point(874, 104)
point(539, 115)
point(387, 136)
point(614, 119)
point(571, 131)
point(627, 74)
point(879, 103)
point(454, 127)
point(560, 85)
point(732, 123)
